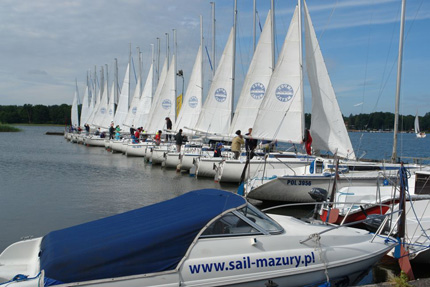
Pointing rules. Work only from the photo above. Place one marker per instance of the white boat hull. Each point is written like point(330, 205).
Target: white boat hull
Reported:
point(231, 170)
point(94, 141)
point(173, 159)
point(238, 261)
point(206, 167)
point(296, 188)
point(138, 149)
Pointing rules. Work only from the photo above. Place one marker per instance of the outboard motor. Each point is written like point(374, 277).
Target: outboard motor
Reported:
point(373, 221)
point(319, 195)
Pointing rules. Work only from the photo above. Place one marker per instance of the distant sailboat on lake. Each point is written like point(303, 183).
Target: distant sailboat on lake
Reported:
point(418, 132)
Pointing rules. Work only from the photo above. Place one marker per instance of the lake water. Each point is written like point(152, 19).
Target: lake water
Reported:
point(48, 183)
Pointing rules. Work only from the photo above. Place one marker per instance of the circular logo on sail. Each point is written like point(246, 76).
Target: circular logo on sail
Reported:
point(166, 104)
point(110, 112)
point(193, 101)
point(220, 95)
point(103, 110)
point(257, 91)
point(134, 110)
point(284, 92)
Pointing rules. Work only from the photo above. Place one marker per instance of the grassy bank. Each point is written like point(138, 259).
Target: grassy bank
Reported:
point(8, 128)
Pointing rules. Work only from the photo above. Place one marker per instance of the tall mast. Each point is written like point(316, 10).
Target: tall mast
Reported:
point(234, 57)
point(107, 81)
point(399, 77)
point(140, 68)
point(102, 81)
point(129, 77)
point(95, 85)
point(213, 39)
point(175, 51)
point(254, 33)
point(116, 82)
point(153, 63)
point(272, 7)
point(167, 48)
point(158, 60)
point(300, 54)
point(201, 47)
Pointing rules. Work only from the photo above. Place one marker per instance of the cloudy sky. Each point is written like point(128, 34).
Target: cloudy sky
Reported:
point(47, 44)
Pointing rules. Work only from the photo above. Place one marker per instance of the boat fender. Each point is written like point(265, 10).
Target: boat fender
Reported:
point(312, 167)
point(385, 183)
point(20, 277)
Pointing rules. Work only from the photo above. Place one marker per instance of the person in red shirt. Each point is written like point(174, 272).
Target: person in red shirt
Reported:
point(158, 137)
point(308, 142)
point(136, 136)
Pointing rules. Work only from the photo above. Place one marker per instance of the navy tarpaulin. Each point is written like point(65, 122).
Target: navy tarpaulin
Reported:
point(146, 240)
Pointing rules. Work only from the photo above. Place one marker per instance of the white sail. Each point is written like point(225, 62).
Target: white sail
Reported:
point(215, 117)
point(102, 108)
point(75, 115)
point(417, 125)
point(255, 83)
point(132, 112)
point(92, 99)
point(94, 112)
point(192, 101)
point(418, 132)
point(144, 106)
point(157, 93)
point(110, 114)
point(85, 111)
point(281, 114)
point(328, 129)
point(165, 106)
point(123, 101)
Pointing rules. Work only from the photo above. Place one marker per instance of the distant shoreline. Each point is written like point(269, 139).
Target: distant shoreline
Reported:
point(6, 128)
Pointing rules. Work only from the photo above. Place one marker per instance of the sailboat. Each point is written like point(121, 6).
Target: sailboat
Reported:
point(190, 111)
point(142, 114)
point(122, 108)
point(327, 127)
point(74, 112)
point(164, 107)
point(418, 132)
point(268, 109)
point(357, 203)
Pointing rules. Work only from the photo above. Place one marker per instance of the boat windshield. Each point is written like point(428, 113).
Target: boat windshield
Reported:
point(261, 219)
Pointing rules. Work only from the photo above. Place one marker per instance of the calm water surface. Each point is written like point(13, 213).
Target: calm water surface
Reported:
point(48, 183)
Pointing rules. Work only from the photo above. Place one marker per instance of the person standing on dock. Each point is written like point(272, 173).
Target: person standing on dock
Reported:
point(111, 131)
point(168, 127)
point(237, 144)
point(179, 140)
point(250, 144)
point(87, 129)
point(157, 138)
point(308, 142)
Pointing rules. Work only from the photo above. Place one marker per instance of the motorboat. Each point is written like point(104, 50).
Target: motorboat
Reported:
point(205, 237)
point(356, 203)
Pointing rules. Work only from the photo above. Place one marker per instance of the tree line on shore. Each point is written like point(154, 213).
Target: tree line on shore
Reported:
point(60, 115)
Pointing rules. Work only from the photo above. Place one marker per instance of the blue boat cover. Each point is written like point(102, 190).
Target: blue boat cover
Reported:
point(150, 239)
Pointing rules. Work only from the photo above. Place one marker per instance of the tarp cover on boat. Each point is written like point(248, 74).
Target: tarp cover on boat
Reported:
point(146, 240)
